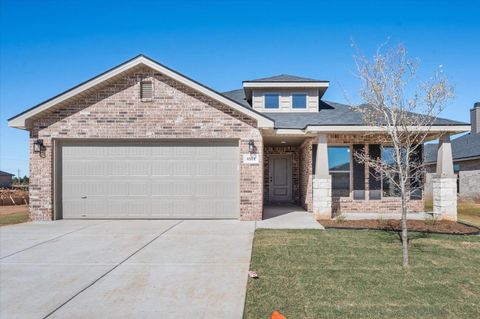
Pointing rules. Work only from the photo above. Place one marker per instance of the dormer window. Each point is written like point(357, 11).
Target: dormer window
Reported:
point(299, 100)
point(272, 100)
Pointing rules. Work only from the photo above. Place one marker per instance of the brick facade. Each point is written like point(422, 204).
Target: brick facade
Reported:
point(306, 181)
point(117, 112)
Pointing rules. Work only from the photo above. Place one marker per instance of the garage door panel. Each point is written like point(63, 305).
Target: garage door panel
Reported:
point(96, 206)
point(162, 167)
point(183, 168)
point(162, 207)
point(75, 207)
point(151, 180)
point(139, 189)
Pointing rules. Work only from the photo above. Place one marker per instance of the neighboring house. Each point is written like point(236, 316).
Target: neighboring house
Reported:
point(466, 159)
point(144, 141)
point(5, 179)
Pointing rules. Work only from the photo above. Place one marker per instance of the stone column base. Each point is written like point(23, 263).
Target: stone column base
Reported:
point(322, 197)
point(445, 197)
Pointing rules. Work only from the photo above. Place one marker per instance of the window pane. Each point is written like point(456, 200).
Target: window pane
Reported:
point(388, 187)
point(339, 166)
point(271, 101)
point(340, 184)
point(299, 101)
point(339, 158)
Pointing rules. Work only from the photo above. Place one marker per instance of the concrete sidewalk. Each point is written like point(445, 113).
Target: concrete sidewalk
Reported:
point(125, 269)
point(287, 217)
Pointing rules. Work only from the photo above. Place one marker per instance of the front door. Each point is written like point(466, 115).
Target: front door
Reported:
point(280, 178)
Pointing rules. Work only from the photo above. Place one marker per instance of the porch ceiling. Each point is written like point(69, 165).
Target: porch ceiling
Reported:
point(276, 140)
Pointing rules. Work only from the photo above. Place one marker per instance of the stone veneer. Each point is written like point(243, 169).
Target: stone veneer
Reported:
point(117, 112)
point(322, 197)
point(445, 197)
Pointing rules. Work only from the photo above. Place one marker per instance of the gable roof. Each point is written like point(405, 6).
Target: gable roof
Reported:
point(285, 78)
point(463, 147)
point(23, 119)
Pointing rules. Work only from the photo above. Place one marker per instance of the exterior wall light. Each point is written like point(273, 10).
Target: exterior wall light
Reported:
point(38, 146)
point(251, 146)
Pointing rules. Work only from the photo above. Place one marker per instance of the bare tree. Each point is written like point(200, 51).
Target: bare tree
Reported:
point(404, 109)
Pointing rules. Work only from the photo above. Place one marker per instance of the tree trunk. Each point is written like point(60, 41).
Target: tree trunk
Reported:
point(404, 232)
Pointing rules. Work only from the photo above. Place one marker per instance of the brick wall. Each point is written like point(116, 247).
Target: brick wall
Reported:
point(305, 176)
point(116, 111)
point(293, 152)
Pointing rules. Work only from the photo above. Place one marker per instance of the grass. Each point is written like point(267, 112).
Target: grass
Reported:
point(358, 274)
point(467, 211)
point(10, 215)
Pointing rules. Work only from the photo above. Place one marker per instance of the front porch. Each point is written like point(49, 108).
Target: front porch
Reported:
point(319, 174)
point(287, 216)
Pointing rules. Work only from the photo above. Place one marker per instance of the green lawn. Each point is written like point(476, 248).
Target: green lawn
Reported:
point(358, 274)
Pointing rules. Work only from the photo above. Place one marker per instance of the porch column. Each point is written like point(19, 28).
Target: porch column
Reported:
point(445, 182)
point(322, 182)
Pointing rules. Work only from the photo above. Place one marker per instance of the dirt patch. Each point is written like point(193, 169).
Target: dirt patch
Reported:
point(7, 210)
point(443, 227)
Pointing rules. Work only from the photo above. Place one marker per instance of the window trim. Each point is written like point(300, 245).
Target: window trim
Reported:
point(306, 101)
point(265, 100)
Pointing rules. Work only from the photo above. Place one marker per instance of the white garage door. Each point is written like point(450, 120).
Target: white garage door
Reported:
point(150, 180)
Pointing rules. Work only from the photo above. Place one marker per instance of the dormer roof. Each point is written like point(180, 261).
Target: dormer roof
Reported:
point(284, 81)
point(285, 78)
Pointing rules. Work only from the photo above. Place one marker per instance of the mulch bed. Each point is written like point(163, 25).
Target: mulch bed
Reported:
point(440, 227)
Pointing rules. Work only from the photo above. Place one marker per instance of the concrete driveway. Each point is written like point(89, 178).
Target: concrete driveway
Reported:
point(125, 269)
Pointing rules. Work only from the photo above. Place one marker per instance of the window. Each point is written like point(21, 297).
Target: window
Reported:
point(339, 167)
point(272, 101)
point(389, 189)
point(146, 90)
point(299, 100)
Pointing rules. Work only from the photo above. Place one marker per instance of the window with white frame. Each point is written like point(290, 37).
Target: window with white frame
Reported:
point(299, 100)
point(339, 166)
point(272, 100)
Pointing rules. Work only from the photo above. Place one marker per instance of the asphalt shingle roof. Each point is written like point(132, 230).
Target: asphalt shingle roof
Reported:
point(463, 147)
point(285, 78)
point(238, 96)
point(330, 113)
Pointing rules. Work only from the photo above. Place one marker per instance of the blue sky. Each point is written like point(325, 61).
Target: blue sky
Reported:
point(49, 46)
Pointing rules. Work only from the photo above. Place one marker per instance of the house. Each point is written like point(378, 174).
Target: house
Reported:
point(5, 179)
point(144, 141)
point(466, 159)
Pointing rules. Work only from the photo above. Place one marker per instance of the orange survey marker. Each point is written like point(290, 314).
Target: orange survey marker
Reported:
point(277, 315)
